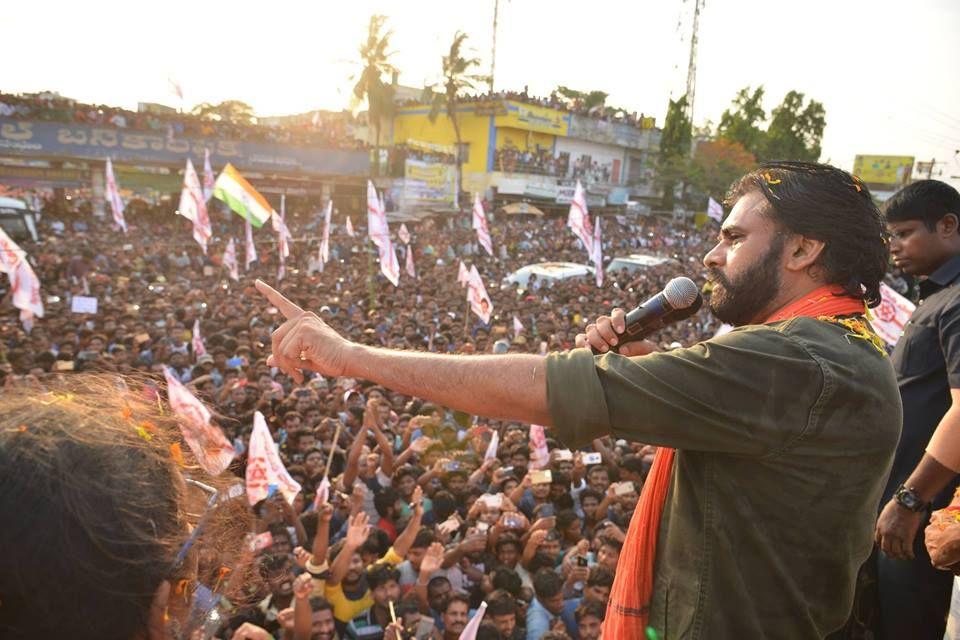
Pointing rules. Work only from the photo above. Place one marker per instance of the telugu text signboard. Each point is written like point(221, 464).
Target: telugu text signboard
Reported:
point(51, 139)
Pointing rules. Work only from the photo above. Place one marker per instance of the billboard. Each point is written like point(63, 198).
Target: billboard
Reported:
point(528, 117)
point(51, 140)
point(883, 171)
point(428, 183)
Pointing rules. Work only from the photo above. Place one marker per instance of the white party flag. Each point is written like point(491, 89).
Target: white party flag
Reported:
point(325, 239)
point(891, 316)
point(230, 259)
point(473, 627)
point(113, 197)
point(193, 206)
point(579, 219)
point(480, 302)
point(480, 224)
point(410, 269)
point(199, 348)
point(539, 454)
point(493, 446)
point(264, 467)
point(404, 234)
point(598, 251)
point(714, 210)
point(207, 442)
point(209, 180)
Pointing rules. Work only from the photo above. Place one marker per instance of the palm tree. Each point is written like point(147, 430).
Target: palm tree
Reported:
point(446, 94)
point(374, 60)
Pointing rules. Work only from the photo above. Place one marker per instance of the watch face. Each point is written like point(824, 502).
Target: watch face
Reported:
point(908, 499)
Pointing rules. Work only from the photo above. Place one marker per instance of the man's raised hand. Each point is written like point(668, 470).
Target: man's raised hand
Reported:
point(304, 341)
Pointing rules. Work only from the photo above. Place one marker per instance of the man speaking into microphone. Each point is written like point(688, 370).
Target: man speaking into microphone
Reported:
point(775, 439)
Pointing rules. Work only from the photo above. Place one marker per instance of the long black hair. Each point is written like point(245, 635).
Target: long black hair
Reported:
point(828, 204)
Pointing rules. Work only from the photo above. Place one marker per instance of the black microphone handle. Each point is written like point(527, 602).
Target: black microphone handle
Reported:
point(643, 329)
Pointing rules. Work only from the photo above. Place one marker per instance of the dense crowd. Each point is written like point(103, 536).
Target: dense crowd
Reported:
point(51, 107)
point(420, 521)
point(542, 161)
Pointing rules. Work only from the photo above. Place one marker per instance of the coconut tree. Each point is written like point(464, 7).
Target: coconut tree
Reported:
point(457, 78)
point(370, 86)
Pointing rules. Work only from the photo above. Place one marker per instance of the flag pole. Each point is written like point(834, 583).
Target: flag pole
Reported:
point(333, 447)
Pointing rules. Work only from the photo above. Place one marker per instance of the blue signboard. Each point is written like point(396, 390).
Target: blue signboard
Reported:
point(56, 140)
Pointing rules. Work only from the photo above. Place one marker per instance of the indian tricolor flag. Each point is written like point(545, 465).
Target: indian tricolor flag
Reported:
point(233, 189)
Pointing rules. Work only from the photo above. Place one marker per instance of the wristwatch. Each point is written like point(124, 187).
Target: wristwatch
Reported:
point(908, 499)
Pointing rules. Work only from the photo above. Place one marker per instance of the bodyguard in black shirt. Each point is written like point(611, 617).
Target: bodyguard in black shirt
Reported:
point(914, 598)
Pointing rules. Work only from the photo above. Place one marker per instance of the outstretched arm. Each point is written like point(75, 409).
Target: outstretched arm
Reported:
point(509, 387)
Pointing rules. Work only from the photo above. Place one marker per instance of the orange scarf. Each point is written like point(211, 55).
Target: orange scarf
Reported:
point(628, 611)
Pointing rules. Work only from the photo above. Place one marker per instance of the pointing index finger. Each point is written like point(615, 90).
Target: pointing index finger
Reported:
point(277, 299)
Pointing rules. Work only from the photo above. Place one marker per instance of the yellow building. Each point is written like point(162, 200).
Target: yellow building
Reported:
point(484, 128)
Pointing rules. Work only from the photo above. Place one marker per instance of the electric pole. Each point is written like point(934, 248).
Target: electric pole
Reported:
point(692, 65)
point(493, 52)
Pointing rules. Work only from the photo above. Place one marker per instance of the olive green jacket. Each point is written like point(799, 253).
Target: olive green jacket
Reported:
point(785, 436)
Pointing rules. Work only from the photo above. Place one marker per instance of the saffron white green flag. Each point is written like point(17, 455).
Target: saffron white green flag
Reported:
point(233, 190)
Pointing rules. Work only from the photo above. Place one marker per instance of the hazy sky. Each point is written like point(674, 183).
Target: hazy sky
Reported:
point(887, 71)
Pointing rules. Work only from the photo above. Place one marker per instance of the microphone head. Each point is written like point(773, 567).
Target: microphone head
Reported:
point(681, 292)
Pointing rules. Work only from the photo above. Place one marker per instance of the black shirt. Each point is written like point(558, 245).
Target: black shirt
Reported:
point(927, 362)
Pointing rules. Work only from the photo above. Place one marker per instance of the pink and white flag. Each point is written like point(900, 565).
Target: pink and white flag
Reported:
point(404, 234)
point(264, 467)
point(377, 227)
point(379, 233)
point(230, 259)
point(411, 271)
point(24, 284)
point(209, 179)
point(283, 236)
point(493, 446)
point(473, 627)
point(389, 265)
point(199, 348)
point(517, 326)
point(113, 197)
point(891, 316)
point(579, 219)
point(463, 275)
point(598, 251)
point(193, 206)
point(325, 239)
point(251, 249)
point(349, 228)
point(207, 442)
point(480, 302)
point(539, 454)
point(323, 493)
point(480, 224)
point(714, 210)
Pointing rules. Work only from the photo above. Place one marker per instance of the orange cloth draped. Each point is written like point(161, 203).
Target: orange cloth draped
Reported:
point(628, 610)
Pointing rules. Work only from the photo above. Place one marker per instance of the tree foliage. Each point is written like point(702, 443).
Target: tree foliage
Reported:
point(742, 121)
point(370, 85)
point(795, 128)
point(716, 164)
point(457, 78)
point(588, 100)
point(675, 140)
point(232, 111)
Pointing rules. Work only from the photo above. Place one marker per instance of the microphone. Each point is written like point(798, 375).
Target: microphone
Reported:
point(679, 300)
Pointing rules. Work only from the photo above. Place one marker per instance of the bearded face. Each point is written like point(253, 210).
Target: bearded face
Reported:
point(739, 298)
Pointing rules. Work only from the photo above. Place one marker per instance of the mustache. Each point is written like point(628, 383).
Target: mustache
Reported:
point(716, 276)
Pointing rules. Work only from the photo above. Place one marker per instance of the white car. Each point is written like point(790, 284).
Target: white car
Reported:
point(636, 262)
point(547, 271)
